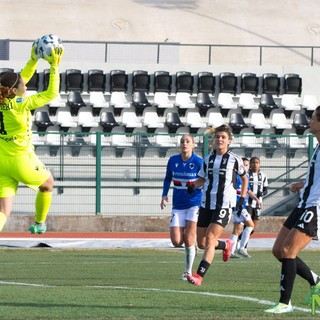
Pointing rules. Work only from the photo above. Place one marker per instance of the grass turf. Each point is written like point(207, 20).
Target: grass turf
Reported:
point(140, 284)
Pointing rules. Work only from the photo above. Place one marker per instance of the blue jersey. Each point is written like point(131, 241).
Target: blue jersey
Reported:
point(238, 187)
point(182, 173)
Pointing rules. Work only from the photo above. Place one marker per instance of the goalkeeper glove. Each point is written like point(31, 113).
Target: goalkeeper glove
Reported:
point(239, 206)
point(56, 55)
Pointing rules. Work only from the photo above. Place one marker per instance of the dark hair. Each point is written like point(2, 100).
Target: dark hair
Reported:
point(245, 159)
point(8, 82)
point(253, 159)
point(223, 128)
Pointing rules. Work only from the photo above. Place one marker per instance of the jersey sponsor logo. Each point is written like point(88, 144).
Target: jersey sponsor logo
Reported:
point(19, 99)
point(191, 165)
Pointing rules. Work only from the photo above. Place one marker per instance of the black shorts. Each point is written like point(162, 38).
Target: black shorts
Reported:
point(305, 220)
point(255, 213)
point(217, 216)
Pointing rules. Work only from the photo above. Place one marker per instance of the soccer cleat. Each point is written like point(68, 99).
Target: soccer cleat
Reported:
point(39, 228)
point(185, 275)
point(280, 308)
point(244, 253)
point(226, 253)
point(195, 279)
point(313, 290)
point(235, 256)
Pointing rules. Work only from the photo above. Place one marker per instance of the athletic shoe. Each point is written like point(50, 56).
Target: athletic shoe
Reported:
point(39, 228)
point(195, 279)
point(235, 256)
point(185, 275)
point(280, 308)
point(244, 253)
point(226, 253)
point(313, 290)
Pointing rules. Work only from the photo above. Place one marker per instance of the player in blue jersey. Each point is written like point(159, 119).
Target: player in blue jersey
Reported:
point(182, 170)
point(242, 218)
point(299, 229)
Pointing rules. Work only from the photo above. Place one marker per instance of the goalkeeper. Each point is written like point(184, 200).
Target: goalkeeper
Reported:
point(18, 161)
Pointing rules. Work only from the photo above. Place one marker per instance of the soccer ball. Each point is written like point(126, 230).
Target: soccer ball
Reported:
point(44, 44)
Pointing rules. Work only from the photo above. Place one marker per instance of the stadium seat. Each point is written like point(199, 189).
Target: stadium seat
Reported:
point(76, 142)
point(237, 122)
point(118, 101)
point(206, 91)
point(142, 143)
point(300, 123)
point(292, 84)
point(130, 120)
point(228, 83)
point(249, 83)
point(309, 104)
point(55, 104)
point(54, 140)
point(294, 142)
point(42, 120)
point(151, 120)
point(289, 102)
point(270, 142)
point(164, 141)
point(75, 102)
point(267, 104)
point(161, 102)
point(96, 80)
point(183, 102)
point(140, 89)
point(46, 76)
point(215, 119)
point(162, 82)
point(226, 103)
point(249, 142)
point(98, 102)
point(86, 120)
point(173, 122)
point(107, 121)
point(279, 121)
point(65, 119)
point(120, 141)
point(194, 121)
point(271, 83)
point(74, 80)
point(258, 121)
point(247, 103)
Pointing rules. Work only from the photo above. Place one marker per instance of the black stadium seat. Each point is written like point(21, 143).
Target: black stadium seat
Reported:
point(162, 81)
point(271, 83)
point(292, 84)
point(74, 80)
point(96, 80)
point(140, 88)
point(249, 83)
point(228, 82)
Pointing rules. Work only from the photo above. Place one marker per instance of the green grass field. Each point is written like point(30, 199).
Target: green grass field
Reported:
point(140, 284)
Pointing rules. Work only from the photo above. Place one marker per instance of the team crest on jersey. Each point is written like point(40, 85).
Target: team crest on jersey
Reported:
point(191, 165)
point(176, 164)
point(19, 100)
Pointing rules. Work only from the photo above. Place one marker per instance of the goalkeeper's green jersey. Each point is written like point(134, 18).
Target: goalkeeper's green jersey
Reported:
point(16, 117)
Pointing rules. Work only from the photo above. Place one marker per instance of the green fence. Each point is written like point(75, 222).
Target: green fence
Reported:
point(122, 174)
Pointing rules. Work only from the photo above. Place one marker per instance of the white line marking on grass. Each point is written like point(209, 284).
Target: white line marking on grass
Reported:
point(26, 284)
point(264, 302)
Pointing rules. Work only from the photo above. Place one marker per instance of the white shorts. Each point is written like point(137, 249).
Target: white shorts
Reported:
point(244, 216)
point(179, 217)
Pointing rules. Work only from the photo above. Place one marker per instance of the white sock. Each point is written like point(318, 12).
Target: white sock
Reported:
point(245, 237)
point(235, 239)
point(190, 253)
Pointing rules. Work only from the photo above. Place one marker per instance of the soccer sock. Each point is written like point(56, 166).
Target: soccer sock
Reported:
point(288, 274)
point(190, 253)
point(3, 220)
point(304, 272)
point(43, 202)
point(221, 245)
point(234, 238)
point(252, 232)
point(245, 237)
point(203, 268)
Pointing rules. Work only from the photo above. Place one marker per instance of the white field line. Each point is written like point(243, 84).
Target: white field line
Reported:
point(264, 302)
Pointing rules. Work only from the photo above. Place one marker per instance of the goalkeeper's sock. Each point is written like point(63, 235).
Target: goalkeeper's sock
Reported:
point(43, 202)
point(3, 220)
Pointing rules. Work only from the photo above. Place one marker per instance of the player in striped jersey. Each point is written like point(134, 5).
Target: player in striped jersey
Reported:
point(18, 161)
point(183, 170)
point(299, 229)
point(218, 177)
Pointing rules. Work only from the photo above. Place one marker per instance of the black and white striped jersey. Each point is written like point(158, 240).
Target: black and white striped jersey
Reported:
point(310, 194)
point(258, 182)
point(220, 173)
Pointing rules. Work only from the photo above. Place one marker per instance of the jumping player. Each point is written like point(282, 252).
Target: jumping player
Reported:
point(18, 161)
